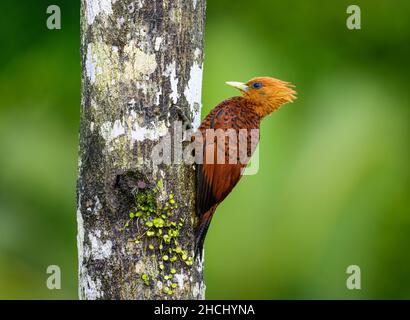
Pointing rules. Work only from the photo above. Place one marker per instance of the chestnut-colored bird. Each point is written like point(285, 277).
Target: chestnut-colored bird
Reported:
point(215, 180)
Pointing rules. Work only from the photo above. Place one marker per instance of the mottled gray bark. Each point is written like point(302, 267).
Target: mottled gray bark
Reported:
point(141, 73)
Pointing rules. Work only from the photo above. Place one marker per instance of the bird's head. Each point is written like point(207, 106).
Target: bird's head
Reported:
point(266, 94)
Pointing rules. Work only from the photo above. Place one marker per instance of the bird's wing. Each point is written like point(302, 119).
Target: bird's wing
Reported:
point(215, 181)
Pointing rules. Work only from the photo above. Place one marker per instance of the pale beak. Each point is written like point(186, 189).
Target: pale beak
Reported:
point(238, 85)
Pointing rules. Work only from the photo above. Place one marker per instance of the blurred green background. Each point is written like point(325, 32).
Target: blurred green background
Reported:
point(333, 185)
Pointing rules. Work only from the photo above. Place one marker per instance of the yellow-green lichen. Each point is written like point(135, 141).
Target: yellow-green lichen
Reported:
point(159, 231)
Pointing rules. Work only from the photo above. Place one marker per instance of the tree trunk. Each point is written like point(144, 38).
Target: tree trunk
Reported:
point(141, 74)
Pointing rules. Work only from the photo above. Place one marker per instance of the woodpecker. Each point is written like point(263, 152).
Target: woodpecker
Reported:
point(215, 179)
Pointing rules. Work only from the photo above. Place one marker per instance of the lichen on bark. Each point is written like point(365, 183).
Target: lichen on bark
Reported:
point(141, 73)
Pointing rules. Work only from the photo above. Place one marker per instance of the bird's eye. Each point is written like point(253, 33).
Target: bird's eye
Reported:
point(257, 85)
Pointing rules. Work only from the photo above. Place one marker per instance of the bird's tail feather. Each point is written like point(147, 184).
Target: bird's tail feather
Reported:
point(202, 230)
